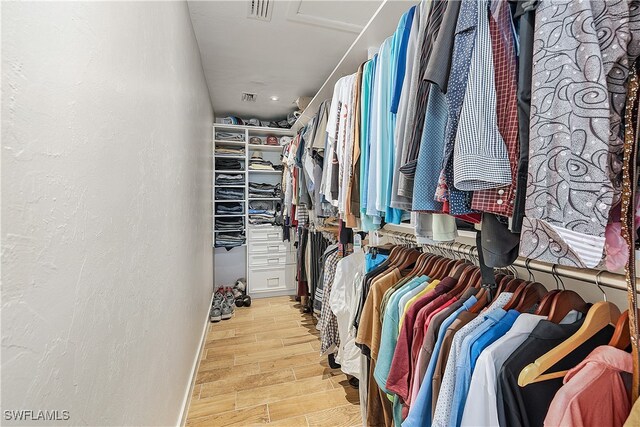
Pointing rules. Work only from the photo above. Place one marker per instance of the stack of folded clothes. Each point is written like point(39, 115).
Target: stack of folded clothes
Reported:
point(264, 190)
point(263, 212)
point(222, 150)
point(229, 224)
point(229, 240)
point(228, 164)
point(229, 209)
point(229, 193)
point(228, 179)
point(258, 163)
point(229, 136)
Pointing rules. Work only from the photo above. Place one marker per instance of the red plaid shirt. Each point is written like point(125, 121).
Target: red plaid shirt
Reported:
point(500, 200)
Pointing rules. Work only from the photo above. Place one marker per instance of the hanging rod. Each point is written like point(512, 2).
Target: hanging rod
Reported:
point(588, 275)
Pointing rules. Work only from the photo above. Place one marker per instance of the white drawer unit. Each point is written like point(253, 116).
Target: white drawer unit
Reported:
point(267, 280)
point(267, 248)
point(267, 261)
point(266, 234)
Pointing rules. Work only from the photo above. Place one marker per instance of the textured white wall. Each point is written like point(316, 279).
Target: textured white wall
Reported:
point(106, 209)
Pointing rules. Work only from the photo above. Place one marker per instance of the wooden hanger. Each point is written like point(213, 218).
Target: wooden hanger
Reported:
point(463, 280)
point(599, 316)
point(545, 304)
point(533, 294)
point(418, 266)
point(517, 294)
point(621, 338)
point(563, 303)
point(410, 259)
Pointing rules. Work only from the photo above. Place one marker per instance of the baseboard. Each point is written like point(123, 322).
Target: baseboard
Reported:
point(194, 370)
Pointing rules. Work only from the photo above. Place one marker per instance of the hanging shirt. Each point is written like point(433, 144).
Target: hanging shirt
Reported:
point(397, 201)
point(480, 157)
point(389, 336)
point(431, 332)
point(377, 126)
point(482, 409)
point(527, 406)
point(420, 411)
point(447, 398)
point(459, 201)
point(368, 74)
point(400, 373)
point(466, 364)
point(594, 392)
point(343, 303)
point(569, 191)
point(500, 200)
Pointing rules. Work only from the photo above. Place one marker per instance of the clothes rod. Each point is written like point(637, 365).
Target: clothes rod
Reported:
point(588, 275)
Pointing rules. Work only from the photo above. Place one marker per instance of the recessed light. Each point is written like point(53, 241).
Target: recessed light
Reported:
point(274, 98)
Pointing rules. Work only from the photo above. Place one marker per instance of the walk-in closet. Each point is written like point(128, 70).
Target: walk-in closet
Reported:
point(309, 213)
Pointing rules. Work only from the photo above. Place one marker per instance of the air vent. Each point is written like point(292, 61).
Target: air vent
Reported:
point(249, 97)
point(260, 9)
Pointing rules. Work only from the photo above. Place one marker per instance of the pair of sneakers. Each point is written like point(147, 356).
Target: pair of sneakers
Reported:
point(222, 308)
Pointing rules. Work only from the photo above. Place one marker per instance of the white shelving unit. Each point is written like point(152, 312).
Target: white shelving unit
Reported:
point(264, 260)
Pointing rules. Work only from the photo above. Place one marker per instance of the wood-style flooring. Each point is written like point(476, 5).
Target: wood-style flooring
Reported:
point(263, 366)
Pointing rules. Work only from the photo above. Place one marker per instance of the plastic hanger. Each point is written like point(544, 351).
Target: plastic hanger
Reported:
point(600, 315)
point(621, 338)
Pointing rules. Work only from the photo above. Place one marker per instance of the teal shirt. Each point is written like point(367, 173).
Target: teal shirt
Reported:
point(389, 334)
point(368, 74)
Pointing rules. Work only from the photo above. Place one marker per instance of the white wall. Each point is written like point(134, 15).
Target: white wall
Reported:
point(106, 209)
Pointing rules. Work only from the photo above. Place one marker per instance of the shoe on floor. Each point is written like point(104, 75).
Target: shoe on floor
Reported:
point(215, 315)
point(226, 311)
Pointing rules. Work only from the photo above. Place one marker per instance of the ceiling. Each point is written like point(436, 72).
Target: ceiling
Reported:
point(289, 56)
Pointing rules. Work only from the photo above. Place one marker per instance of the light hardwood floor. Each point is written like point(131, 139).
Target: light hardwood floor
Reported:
point(263, 366)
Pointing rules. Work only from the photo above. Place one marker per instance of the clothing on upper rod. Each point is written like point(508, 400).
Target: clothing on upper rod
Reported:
point(407, 127)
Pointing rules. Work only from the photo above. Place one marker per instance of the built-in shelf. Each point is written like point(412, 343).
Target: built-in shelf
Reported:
point(255, 130)
point(235, 260)
point(231, 156)
point(264, 171)
point(223, 142)
point(259, 147)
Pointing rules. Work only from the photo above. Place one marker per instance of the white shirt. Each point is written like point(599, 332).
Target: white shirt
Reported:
point(343, 302)
point(482, 410)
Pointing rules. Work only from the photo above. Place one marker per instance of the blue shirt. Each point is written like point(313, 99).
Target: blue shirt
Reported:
point(420, 413)
point(389, 333)
point(403, 31)
point(372, 262)
point(464, 369)
point(498, 330)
